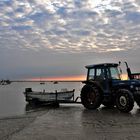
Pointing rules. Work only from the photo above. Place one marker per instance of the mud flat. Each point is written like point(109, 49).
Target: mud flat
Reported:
point(72, 122)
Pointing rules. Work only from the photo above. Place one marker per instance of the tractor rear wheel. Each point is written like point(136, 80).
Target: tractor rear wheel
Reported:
point(124, 100)
point(91, 97)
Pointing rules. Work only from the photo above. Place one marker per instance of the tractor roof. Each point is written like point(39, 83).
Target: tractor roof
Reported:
point(102, 65)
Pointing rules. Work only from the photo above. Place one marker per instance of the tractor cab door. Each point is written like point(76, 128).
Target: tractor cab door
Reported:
point(113, 75)
point(102, 78)
point(99, 74)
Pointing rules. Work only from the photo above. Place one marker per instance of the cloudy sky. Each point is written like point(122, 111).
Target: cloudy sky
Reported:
point(51, 38)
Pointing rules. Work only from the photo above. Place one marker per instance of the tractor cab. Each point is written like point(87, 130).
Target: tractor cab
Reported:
point(103, 72)
point(104, 75)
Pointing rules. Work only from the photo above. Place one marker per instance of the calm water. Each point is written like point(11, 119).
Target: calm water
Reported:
point(12, 100)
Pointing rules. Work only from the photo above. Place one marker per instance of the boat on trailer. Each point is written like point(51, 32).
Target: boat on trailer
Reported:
point(37, 97)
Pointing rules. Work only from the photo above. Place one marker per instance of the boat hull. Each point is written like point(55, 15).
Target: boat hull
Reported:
point(42, 97)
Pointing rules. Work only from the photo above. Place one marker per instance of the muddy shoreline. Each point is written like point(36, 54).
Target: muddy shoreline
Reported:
point(72, 122)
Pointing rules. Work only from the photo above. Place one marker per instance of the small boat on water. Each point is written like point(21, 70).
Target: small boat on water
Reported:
point(42, 83)
point(55, 82)
point(36, 97)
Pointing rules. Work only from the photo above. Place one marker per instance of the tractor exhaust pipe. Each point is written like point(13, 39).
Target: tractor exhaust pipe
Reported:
point(128, 71)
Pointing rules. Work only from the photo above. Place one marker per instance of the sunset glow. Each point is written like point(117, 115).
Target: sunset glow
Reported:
point(62, 78)
point(68, 78)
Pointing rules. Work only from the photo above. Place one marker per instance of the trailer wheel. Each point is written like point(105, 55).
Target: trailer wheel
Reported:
point(91, 97)
point(124, 100)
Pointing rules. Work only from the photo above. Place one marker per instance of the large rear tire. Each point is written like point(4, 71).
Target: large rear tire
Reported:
point(91, 97)
point(124, 100)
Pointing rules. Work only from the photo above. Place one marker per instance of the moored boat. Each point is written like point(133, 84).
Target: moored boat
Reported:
point(49, 97)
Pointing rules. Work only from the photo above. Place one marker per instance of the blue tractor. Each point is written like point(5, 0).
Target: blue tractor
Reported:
point(104, 86)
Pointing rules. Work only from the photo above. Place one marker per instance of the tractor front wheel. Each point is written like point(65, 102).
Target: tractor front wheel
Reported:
point(91, 97)
point(124, 100)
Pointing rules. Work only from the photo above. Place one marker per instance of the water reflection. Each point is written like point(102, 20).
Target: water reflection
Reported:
point(35, 107)
point(102, 111)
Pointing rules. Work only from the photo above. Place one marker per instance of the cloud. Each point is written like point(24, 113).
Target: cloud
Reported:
point(71, 24)
point(69, 27)
point(73, 21)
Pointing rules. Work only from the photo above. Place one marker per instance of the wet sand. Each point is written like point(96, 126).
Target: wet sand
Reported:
point(72, 122)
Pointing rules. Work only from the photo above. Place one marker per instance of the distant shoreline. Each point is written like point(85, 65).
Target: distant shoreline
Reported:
point(42, 81)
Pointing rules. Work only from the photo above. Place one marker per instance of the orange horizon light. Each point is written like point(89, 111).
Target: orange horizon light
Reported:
point(60, 78)
point(68, 78)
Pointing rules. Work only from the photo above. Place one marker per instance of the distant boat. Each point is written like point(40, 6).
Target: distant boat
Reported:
point(42, 83)
point(55, 82)
point(5, 82)
point(48, 97)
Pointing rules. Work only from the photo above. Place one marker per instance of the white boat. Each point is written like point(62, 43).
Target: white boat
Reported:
point(50, 97)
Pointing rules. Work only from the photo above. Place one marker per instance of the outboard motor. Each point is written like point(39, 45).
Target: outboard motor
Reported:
point(128, 71)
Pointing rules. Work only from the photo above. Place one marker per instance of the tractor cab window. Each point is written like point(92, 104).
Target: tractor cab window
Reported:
point(100, 73)
point(114, 73)
point(96, 74)
point(91, 74)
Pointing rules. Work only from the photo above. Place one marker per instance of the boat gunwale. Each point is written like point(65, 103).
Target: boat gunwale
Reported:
point(47, 93)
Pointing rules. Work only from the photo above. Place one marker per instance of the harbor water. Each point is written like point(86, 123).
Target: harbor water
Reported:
point(12, 100)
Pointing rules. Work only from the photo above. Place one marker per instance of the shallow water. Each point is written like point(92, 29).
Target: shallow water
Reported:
point(12, 100)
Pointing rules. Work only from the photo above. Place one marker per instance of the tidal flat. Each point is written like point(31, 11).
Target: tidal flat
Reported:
point(72, 122)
